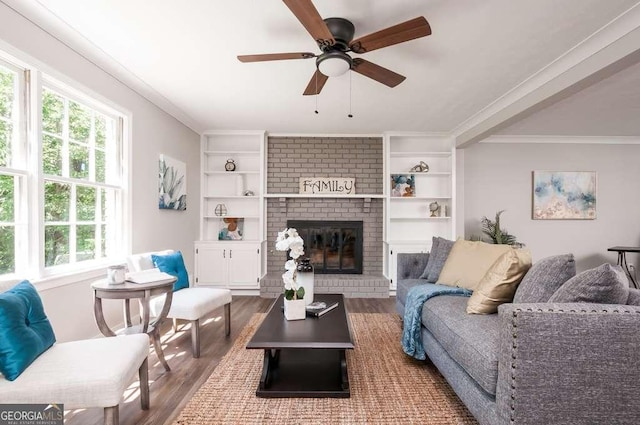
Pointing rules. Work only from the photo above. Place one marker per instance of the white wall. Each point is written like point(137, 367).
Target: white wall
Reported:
point(154, 132)
point(499, 176)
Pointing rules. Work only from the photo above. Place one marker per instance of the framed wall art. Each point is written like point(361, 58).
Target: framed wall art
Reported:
point(172, 184)
point(564, 195)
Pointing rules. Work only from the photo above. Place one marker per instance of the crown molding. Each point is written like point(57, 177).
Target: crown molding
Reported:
point(609, 50)
point(52, 24)
point(576, 140)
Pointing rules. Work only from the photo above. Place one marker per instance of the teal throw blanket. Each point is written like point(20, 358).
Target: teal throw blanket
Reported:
point(411, 336)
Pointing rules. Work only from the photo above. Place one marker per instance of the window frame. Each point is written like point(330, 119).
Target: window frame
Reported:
point(36, 76)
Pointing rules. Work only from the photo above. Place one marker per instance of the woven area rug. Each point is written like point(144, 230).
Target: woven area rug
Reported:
point(387, 386)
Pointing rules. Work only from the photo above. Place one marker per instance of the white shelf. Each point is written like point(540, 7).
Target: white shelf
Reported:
point(418, 218)
point(231, 152)
point(229, 173)
point(418, 198)
point(212, 217)
point(419, 154)
point(229, 197)
point(298, 195)
point(428, 174)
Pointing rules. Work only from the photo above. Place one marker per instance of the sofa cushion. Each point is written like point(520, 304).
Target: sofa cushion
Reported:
point(544, 278)
point(403, 286)
point(500, 282)
point(435, 241)
point(174, 265)
point(471, 340)
point(192, 304)
point(439, 259)
point(468, 262)
point(634, 296)
point(605, 284)
point(25, 331)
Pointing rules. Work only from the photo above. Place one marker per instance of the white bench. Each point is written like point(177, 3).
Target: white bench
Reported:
point(192, 303)
point(83, 374)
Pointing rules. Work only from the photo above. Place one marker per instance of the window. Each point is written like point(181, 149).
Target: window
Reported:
point(69, 169)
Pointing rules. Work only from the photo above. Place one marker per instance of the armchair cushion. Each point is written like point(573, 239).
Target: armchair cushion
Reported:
point(25, 331)
point(174, 265)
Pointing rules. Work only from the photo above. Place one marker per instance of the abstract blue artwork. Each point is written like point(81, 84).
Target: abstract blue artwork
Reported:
point(564, 195)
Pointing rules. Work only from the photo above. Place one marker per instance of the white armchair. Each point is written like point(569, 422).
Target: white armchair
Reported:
point(83, 374)
point(192, 303)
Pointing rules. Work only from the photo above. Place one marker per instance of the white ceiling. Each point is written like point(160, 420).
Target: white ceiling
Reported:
point(479, 50)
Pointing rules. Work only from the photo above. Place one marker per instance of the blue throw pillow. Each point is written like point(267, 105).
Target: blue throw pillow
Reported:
point(174, 265)
point(25, 331)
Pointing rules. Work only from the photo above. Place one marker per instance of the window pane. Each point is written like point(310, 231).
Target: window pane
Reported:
point(101, 130)
point(57, 198)
point(6, 134)
point(7, 249)
point(7, 92)
point(52, 155)
point(6, 195)
point(85, 242)
point(100, 166)
point(52, 112)
point(78, 161)
point(79, 122)
point(85, 203)
point(103, 239)
point(56, 245)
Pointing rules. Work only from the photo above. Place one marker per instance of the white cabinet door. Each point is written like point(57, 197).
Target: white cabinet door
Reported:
point(212, 265)
point(243, 266)
point(228, 265)
point(396, 249)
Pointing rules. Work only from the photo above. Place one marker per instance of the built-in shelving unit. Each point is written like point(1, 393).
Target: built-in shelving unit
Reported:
point(220, 187)
point(409, 222)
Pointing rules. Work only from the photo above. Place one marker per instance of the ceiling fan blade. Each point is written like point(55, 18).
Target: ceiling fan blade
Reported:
point(376, 72)
point(315, 85)
point(275, 57)
point(309, 17)
point(409, 30)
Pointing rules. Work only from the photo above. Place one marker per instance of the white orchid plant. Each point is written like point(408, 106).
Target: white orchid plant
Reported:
point(290, 240)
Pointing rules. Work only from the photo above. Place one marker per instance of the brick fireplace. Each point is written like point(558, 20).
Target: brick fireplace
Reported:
point(288, 159)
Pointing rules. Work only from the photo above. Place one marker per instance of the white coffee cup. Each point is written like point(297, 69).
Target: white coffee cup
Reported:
point(115, 275)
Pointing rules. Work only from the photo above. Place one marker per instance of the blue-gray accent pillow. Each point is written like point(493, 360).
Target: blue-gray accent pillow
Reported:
point(605, 284)
point(544, 278)
point(435, 241)
point(174, 265)
point(441, 255)
point(25, 331)
point(634, 297)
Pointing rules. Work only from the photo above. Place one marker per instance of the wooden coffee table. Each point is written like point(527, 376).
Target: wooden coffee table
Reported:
point(304, 358)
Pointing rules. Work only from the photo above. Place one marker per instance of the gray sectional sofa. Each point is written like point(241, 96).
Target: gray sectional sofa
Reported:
point(533, 363)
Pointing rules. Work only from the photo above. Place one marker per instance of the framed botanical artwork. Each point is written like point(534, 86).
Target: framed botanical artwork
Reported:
point(232, 229)
point(172, 184)
point(564, 195)
point(403, 185)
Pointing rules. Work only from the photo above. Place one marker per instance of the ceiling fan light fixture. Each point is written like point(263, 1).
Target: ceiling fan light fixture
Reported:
point(334, 64)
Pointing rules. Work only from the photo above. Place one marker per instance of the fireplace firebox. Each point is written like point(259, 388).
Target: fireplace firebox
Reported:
point(332, 246)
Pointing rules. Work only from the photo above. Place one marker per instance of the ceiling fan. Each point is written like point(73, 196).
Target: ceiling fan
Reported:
point(334, 37)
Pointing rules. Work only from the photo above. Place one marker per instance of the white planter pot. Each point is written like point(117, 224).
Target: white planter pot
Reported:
point(294, 309)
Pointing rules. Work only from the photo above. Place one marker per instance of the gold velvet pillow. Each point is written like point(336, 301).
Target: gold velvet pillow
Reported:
point(468, 262)
point(500, 282)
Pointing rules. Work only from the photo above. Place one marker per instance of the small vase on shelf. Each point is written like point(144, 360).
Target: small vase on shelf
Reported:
point(294, 309)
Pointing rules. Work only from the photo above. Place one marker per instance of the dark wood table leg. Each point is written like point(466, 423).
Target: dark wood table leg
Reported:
point(344, 376)
point(269, 363)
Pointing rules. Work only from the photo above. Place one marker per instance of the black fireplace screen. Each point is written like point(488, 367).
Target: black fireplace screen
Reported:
point(332, 246)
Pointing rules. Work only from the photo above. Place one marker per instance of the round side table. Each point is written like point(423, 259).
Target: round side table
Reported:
point(142, 292)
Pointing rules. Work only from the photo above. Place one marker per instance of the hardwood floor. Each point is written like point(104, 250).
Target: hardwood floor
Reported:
point(170, 391)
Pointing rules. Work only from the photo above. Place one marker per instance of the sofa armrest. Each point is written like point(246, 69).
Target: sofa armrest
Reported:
point(569, 363)
point(411, 265)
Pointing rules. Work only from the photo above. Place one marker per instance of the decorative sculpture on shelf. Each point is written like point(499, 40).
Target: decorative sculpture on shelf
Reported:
point(422, 167)
point(220, 210)
point(434, 207)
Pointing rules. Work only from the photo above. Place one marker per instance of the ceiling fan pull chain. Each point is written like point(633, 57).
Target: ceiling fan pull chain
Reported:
point(350, 114)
